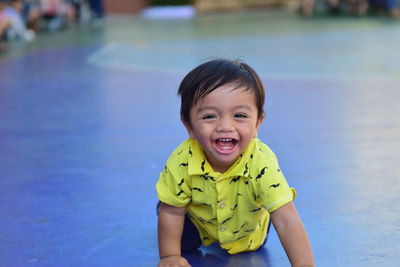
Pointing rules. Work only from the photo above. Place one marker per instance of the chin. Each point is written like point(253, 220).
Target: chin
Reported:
point(227, 161)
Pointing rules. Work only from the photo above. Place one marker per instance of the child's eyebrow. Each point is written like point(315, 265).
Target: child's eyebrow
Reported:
point(243, 107)
point(205, 108)
point(215, 108)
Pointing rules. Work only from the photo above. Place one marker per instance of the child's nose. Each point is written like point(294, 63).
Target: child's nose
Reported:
point(225, 125)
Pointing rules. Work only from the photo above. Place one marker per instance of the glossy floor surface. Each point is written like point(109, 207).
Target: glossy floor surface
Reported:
point(88, 117)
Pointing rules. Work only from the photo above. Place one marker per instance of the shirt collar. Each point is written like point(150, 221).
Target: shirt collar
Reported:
point(199, 165)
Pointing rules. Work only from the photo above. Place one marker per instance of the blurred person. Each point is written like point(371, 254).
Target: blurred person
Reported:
point(31, 14)
point(76, 5)
point(97, 13)
point(96, 8)
point(356, 7)
point(17, 29)
point(4, 25)
point(57, 13)
point(308, 8)
point(391, 7)
point(333, 6)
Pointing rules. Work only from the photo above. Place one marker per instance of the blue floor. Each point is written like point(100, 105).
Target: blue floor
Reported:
point(87, 119)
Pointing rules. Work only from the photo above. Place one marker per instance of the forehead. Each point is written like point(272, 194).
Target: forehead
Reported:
point(228, 95)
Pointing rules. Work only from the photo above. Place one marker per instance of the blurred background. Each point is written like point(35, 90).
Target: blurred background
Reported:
point(89, 114)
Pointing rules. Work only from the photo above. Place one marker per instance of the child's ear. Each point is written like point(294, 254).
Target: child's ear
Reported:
point(259, 121)
point(188, 128)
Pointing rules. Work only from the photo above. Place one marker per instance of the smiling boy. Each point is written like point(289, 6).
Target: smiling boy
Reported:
point(223, 184)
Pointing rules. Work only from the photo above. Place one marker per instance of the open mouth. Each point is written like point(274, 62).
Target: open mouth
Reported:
point(225, 145)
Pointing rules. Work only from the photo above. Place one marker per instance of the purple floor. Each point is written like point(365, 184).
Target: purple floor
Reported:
point(86, 123)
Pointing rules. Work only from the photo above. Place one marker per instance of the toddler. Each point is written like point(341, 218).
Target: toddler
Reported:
point(223, 184)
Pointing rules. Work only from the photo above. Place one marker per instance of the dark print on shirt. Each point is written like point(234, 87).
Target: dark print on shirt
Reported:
point(202, 165)
point(190, 152)
point(251, 241)
point(274, 185)
point(246, 169)
point(179, 193)
point(234, 207)
point(262, 172)
point(183, 164)
point(239, 229)
point(197, 189)
point(206, 177)
point(212, 221)
point(205, 221)
point(255, 210)
point(240, 238)
point(234, 180)
point(181, 183)
point(256, 196)
point(180, 152)
point(227, 219)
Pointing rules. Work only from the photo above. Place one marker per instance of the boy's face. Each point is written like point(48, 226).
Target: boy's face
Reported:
point(224, 122)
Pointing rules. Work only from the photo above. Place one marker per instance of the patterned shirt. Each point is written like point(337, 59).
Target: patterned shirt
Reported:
point(232, 208)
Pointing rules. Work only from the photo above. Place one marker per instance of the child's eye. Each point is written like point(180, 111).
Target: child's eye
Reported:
point(208, 117)
point(240, 115)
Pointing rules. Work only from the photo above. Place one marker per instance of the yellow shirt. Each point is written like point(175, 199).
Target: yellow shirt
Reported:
point(232, 208)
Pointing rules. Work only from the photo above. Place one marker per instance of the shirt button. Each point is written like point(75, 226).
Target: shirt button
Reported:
point(222, 229)
point(222, 205)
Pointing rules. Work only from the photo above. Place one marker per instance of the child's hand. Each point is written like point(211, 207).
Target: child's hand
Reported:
point(174, 261)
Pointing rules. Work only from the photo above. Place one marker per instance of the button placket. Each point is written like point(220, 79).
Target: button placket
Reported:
point(221, 204)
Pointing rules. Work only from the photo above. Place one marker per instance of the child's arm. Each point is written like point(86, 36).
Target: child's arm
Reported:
point(293, 236)
point(170, 227)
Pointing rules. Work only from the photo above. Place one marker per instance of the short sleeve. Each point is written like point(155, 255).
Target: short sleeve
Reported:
point(273, 189)
point(172, 189)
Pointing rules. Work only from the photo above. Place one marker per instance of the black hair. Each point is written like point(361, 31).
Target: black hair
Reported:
point(213, 74)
